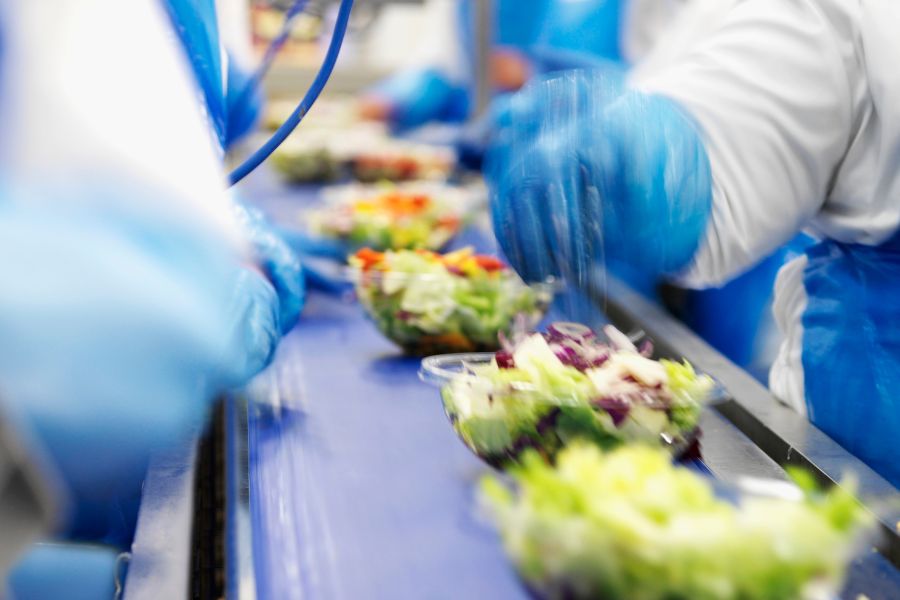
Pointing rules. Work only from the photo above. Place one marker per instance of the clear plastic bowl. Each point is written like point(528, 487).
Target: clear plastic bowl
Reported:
point(498, 424)
point(743, 490)
point(398, 161)
point(461, 328)
point(340, 218)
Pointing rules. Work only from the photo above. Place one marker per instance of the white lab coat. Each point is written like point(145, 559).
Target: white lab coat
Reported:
point(96, 95)
point(100, 90)
point(798, 102)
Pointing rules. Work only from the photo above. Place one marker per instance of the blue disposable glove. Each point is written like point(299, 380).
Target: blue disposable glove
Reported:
point(587, 173)
point(280, 264)
point(255, 307)
point(416, 97)
point(587, 26)
point(74, 572)
point(116, 331)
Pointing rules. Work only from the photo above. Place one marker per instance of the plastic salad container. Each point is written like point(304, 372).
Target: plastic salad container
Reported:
point(549, 389)
point(629, 524)
point(430, 303)
point(396, 160)
point(323, 151)
point(298, 163)
point(388, 217)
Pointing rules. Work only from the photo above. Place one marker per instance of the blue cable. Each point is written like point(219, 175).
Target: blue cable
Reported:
point(334, 48)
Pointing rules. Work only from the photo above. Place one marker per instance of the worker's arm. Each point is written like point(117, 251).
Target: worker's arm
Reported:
point(775, 94)
point(697, 173)
point(127, 301)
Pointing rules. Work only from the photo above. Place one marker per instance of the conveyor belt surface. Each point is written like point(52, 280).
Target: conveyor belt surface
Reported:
point(358, 485)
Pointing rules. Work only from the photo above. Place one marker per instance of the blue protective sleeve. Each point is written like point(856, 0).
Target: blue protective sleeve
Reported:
point(115, 333)
point(587, 172)
point(587, 26)
point(196, 26)
point(851, 348)
point(418, 96)
point(73, 572)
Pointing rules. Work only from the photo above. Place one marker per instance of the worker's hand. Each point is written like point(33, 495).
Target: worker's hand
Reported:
point(279, 264)
point(115, 334)
point(586, 171)
point(254, 312)
point(414, 98)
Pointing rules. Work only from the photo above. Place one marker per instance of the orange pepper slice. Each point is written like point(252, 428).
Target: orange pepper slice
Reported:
point(369, 258)
point(489, 263)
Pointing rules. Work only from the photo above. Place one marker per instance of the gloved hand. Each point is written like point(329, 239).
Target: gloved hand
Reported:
point(115, 333)
point(588, 173)
point(279, 263)
point(414, 98)
point(255, 309)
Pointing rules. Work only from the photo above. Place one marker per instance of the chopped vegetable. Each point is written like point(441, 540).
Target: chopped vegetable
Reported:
point(429, 303)
point(402, 162)
point(549, 389)
point(299, 165)
point(388, 218)
point(630, 525)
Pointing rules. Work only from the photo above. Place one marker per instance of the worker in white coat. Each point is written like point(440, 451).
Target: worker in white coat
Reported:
point(133, 294)
point(783, 119)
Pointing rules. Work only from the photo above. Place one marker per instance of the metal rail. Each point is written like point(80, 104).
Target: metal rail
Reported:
point(784, 436)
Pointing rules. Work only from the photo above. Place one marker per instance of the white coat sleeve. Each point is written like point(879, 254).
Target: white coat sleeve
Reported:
point(774, 92)
point(99, 91)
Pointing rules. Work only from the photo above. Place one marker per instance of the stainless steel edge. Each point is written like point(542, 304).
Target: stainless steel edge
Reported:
point(785, 437)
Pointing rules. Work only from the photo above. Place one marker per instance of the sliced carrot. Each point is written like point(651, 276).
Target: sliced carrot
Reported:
point(369, 258)
point(489, 263)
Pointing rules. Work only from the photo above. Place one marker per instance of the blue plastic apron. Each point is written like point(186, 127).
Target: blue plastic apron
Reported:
point(851, 348)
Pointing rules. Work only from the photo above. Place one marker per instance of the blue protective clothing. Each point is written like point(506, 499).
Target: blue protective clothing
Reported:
point(419, 96)
point(232, 108)
point(280, 264)
point(583, 26)
point(72, 572)
point(851, 348)
point(116, 334)
point(552, 34)
point(597, 174)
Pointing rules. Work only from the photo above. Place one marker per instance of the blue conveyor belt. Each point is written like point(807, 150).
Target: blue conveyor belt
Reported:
point(359, 487)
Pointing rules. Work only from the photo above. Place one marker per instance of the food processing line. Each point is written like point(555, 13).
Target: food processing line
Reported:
point(336, 473)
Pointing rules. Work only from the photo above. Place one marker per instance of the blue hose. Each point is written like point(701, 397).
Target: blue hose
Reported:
point(334, 48)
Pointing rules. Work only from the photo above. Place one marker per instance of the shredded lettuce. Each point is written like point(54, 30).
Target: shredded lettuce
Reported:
point(429, 304)
point(555, 388)
point(627, 524)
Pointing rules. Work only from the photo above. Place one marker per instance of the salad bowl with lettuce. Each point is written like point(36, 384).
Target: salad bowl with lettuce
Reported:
point(388, 217)
point(629, 525)
point(546, 390)
point(429, 303)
